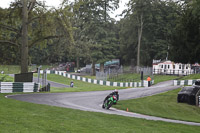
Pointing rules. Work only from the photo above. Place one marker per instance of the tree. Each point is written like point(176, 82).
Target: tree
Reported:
point(140, 11)
point(94, 30)
point(186, 39)
point(42, 25)
point(24, 46)
point(146, 30)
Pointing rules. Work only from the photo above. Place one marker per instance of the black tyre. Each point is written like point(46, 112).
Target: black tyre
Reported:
point(104, 104)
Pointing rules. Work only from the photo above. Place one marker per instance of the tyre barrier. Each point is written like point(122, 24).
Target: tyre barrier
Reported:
point(184, 82)
point(143, 83)
point(10, 87)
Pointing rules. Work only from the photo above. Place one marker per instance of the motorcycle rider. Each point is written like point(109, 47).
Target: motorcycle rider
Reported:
point(114, 93)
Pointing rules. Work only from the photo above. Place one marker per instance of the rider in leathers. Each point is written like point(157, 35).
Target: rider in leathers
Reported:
point(114, 93)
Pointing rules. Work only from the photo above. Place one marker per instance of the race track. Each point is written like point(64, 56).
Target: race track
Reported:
point(92, 101)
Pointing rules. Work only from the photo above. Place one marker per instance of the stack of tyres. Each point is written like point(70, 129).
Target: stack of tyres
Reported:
point(188, 94)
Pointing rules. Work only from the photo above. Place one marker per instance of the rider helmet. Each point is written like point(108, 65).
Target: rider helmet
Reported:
point(116, 90)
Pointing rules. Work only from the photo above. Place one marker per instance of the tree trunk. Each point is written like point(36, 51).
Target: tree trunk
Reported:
point(77, 63)
point(101, 67)
point(24, 46)
point(140, 28)
point(93, 69)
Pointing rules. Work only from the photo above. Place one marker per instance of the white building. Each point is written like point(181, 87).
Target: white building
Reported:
point(169, 67)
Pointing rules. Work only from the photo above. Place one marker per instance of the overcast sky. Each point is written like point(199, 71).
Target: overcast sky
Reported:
point(6, 3)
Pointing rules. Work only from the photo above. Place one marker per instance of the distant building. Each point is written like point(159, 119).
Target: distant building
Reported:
point(169, 67)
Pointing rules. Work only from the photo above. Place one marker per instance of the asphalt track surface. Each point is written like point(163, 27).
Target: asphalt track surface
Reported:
point(92, 101)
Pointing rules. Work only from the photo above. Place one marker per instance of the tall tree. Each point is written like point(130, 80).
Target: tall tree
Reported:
point(42, 25)
point(186, 39)
point(146, 30)
point(95, 30)
point(140, 11)
point(24, 46)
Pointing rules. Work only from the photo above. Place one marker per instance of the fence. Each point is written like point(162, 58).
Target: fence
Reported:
point(10, 87)
point(101, 82)
point(184, 82)
point(134, 70)
point(101, 76)
point(173, 72)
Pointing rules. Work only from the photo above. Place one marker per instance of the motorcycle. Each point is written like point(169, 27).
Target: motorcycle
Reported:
point(109, 102)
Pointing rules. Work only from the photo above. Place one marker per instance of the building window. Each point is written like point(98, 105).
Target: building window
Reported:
point(168, 66)
point(174, 66)
point(179, 66)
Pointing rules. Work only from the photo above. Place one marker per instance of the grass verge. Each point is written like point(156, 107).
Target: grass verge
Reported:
point(78, 85)
point(162, 78)
point(22, 117)
point(6, 78)
point(192, 76)
point(162, 105)
point(134, 77)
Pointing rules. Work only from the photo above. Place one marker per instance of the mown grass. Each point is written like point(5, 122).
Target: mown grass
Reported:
point(134, 77)
point(10, 69)
point(6, 78)
point(162, 105)
point(192, 76)
point(22, 117)
point(14, 69)
point(78, 85)
point(162, 78)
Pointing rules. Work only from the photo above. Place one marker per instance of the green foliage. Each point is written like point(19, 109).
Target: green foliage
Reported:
point(162, 105)
point(96, 29)
point(186, 39)
point(159, 21)
point(46, 28)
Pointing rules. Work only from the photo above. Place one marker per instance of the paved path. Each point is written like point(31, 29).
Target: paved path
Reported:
point(92, 101)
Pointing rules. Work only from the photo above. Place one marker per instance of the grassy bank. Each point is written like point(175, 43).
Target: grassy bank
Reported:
point(16, 116)
point(134, 77)
point(78, 85)
point(6, 78)
point(14, 69)
point(162, 105)
point(161, 78)
point(192, 76)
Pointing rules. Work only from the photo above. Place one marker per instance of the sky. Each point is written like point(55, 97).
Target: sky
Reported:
point(55, 3)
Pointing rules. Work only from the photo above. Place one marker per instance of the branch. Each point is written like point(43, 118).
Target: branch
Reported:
point(31, 5)
point(29, 21)
point(44, 38)
point(9, 42)
point(9, 28)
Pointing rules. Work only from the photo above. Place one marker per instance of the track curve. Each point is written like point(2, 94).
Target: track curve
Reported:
point(92, 101)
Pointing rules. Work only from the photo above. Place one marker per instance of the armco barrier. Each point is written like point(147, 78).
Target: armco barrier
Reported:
point(184, 82)
point(10, 87)
point(100, 82)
